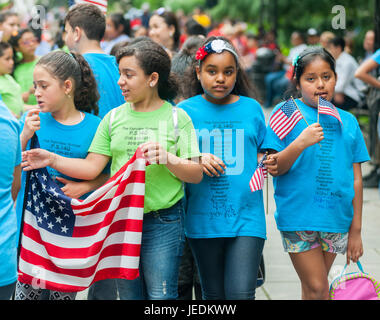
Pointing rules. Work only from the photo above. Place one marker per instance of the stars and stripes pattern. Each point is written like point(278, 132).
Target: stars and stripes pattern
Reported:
point(326, 107)
point(101, 4)
point(259, 176)
point(68, 244)
point(285, 118)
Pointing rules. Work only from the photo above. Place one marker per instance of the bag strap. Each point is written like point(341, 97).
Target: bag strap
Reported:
point(175, 125)
point(176, 134)
point(357, 263)
point(112, 117)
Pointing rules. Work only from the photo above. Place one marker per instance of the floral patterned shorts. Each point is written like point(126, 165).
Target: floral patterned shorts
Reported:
point(300, 241)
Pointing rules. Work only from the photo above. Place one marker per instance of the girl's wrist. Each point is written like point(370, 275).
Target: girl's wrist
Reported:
point(355, 230)
point(301, 144)
point(171, 159)
point(53, 157)
point(25, 137)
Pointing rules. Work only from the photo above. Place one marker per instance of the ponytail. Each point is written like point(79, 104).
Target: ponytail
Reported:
point(168, 90)
point(86, 95)
point(63, 66)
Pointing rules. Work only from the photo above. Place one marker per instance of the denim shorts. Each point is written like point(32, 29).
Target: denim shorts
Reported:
point(301, 241)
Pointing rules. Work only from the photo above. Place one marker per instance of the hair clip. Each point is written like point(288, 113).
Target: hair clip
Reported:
point(295, 60)
point(215, 46)
point(160, 11)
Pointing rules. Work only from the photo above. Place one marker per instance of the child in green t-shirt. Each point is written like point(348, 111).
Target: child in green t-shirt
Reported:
point(10, 90)
point(25, 44)
point(167, 139)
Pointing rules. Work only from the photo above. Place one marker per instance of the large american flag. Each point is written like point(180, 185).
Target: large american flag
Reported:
point(258, 178)
point(326, 107)
point(101, 4)
point(68, 244)
point(285, 118)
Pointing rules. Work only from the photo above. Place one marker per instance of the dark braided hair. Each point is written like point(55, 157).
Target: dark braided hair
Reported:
point(63, 66)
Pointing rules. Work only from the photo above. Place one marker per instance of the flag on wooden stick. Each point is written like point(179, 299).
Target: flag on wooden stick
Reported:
point(326, 107)
point(259, 176)
point(285, 118)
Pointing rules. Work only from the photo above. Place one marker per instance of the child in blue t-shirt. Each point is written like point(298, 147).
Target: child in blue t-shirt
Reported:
point(10, 171)
point(318, 180)
point(224, 221)
point(64, 124)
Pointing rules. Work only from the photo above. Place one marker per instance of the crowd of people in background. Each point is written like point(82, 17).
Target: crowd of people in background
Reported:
point(106, 53)
point(267, 63)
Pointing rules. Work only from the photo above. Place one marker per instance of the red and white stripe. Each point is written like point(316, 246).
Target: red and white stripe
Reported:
point(105, 243)
point(281, 124)
point(101, 4)
point(257, 180)
point(329, 111)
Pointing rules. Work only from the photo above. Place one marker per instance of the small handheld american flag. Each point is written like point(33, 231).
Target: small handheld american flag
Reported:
point(285, 118)
point(326, 107)
point(258, 178)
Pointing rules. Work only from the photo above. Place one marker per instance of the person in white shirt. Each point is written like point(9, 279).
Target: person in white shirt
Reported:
point(349, 90)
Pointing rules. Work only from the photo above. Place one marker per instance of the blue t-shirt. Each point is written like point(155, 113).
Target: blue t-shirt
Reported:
point(376, 56)
point(106, 73)
point(316, 193)
point(68, 141)
point(10, 157)
point(225, 206)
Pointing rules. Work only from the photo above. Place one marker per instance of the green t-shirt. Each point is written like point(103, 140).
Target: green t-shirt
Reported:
point(23, 75)
point(10, 92)
point(130, 129)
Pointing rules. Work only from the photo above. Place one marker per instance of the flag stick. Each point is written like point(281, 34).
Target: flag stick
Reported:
point(304, 117)
point(299, 110)
point(318, 112)
point(267, 198)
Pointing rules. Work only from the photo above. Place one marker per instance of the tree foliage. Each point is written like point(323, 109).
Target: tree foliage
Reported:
point(287, 15)
point(293, 15)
